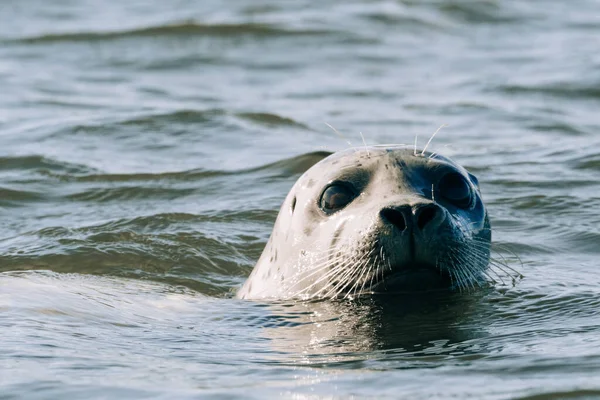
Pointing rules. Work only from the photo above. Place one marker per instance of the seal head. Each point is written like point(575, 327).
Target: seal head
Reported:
point(375, 219)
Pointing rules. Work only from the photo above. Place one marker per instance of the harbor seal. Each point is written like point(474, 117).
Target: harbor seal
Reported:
point(375, 219)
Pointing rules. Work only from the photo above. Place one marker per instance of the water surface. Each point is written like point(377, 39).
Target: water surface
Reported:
point(146, 147)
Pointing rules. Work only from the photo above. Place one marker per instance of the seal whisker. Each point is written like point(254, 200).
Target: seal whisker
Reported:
point(447, 264)
point(356, 268)
point(513, 254)
point(338, 287)
point(481, 251)
point(381, 268)
point(416, 140)
point(343, 268)
point(343, 279)
point(339, 134)
point(466, 267)
point(366, 267)
point(358, 272)
point(333, 271)
point(368, 264)
point(468, 274)
point(454, 272)
point(463, 280)
point(464, 262)
point(360, 269)
point(491, 270)
point(513, 278)
point(324, 277)
point(431, 138)
point(365, 143)
point(500, 276)
point(317, 265)
point(478, 256)
point(489, 277)
point(506, 268)
point(504, 264)
point(436, 153)
point(374, 273)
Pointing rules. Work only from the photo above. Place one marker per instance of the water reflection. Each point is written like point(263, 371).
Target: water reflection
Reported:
point(408, 325)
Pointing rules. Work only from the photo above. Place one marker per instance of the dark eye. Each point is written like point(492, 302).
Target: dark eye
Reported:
point(336, 196)
point(455, 188)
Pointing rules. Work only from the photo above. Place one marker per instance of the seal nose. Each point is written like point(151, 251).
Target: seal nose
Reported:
point(395, 216)
point(424, 214)
point(417, 217)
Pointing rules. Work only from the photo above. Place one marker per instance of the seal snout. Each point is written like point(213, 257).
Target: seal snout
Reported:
point(415, 218)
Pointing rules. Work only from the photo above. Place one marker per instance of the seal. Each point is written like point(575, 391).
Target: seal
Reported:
point(375, 219)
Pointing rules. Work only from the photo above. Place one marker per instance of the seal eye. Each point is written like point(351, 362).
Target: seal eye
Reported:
point(336, 196)
point(455, 188)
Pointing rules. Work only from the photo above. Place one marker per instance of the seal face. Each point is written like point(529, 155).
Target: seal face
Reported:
point(375, 219)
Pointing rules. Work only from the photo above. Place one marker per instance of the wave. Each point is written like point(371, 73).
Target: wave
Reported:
point(565, 89)
point(38, 162)
point(166, 247)
point(482, 12)
point(183, 29)
point(283, 168)
point(99, 195)
point(15, 198)
point(271, 120)
point(187, 118)
point(591, 162)
point(209, 115)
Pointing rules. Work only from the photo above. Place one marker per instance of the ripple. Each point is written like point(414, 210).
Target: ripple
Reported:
point(524, 308)
point(15, 198)
point(591, 162)
point(548, 183)
point(481, 12)
point(294, 165)
point(560, 127)
point(271, 120)
point(181, 29)
point(149, 122)
point(164, 123)
point(40, 162)
point(580, 394)
point(567, 90)
point(406, 21)
point(183, 116)
point(205, 263)
point(101, 195)
point(283, 168)
point(542, 204)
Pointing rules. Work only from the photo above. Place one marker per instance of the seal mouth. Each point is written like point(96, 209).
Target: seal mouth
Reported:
point(416, 277)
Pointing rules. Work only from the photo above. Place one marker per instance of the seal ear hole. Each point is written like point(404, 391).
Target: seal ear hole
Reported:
point(293, 206)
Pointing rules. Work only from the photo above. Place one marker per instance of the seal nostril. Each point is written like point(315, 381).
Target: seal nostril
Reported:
point(425, 215)
point(395, 217)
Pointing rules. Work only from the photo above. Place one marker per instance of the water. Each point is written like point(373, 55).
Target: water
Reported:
point(146, 147)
